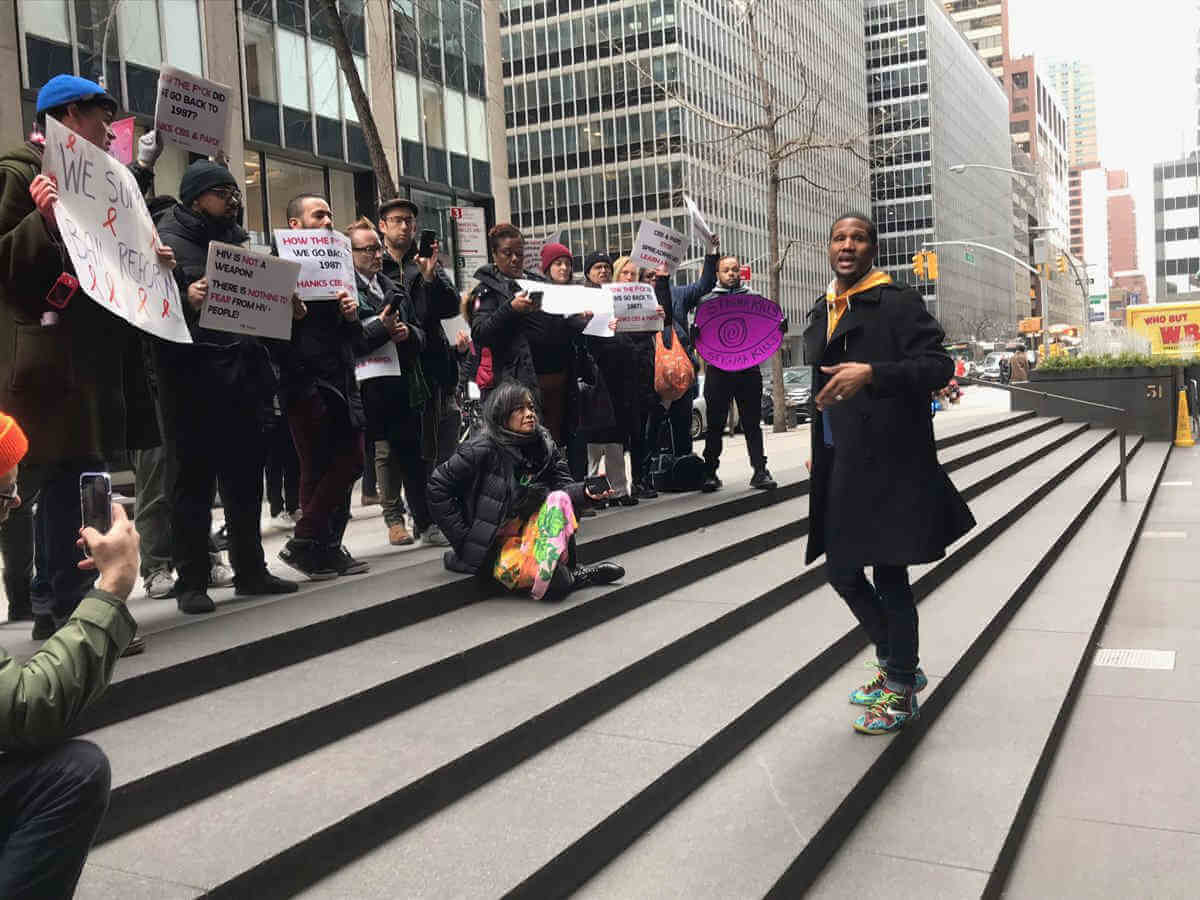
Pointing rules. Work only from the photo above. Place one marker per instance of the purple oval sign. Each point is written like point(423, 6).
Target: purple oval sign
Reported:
point(737, 331)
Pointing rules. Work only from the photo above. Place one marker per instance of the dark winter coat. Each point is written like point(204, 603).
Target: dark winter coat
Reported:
point(500, 328)
point(882, 497)
point(685, 298)
point(431, 303)
point(78, 386)
point(220, 373)
point(472, 494)
point(386, 401)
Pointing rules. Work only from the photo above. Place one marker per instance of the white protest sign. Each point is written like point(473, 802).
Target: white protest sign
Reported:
point(248, 292)
point(326, 266)
point(382, 362)
point(109, 235)
point(191, 111)
point(562, 299)
point(657, 245)
point(634, 306)
point(699, 226)
point(453, 326)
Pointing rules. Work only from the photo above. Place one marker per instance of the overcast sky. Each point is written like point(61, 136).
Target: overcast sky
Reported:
point(1144, 55)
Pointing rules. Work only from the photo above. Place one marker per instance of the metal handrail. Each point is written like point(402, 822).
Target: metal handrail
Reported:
point(966, 379)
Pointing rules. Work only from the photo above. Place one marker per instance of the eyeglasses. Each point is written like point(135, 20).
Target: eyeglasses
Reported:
point(370, 249)
point(400, 220)
point(227, 193)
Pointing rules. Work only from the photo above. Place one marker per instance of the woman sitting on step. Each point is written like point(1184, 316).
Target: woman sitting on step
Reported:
point(507, 503)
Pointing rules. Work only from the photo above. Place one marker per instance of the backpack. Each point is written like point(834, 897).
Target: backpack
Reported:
point(673, 372)
point(672, 473)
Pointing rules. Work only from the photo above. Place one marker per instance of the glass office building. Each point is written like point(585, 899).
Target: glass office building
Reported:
point(613, 111)
point(934, 103)
point(422, 64)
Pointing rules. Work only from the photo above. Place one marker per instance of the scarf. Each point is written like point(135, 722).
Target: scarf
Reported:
point(839, 303)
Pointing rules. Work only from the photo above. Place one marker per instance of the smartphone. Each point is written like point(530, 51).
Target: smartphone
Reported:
point(425, 247)
point(62, 290)
point(597, 485)
point(535, 297)
point(95, 502)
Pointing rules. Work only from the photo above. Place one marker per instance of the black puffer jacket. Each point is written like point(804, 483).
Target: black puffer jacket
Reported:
point(473, 493)
point(390, 413)
point(500, 328)
point(220, 372)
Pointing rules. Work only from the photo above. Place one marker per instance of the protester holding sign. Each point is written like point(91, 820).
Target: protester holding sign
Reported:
point(215, 394)
point(744, 386)
point(324, 410)
point(498, 321)
point(684, 299)
point(72, 370)
point(393, 404)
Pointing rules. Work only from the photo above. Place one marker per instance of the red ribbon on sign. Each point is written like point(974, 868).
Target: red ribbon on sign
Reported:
point(112, 217)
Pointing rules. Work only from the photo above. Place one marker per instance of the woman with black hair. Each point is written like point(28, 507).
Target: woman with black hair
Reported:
point(507, 503)
point(499, 311)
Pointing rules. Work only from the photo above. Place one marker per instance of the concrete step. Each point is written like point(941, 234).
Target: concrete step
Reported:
point(579, 665)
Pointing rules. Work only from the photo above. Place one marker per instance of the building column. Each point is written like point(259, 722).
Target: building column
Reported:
point(495, 110)
point(12, 128)
point(222, 39)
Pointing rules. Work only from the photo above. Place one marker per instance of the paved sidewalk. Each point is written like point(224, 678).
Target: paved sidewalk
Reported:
point(1119, 815)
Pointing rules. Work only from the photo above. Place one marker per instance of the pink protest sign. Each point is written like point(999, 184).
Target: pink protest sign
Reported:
point(737, 331)
point(121, 149)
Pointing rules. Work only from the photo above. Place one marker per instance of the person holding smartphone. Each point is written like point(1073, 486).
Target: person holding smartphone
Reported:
point(500, 312)
point(508, 504)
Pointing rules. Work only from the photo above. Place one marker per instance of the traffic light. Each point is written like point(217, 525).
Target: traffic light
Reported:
point(931, 264)
point(919, 264)
point(1062, 263)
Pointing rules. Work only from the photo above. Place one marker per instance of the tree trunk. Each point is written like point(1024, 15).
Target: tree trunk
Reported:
point(385, 183)
point(774, 263)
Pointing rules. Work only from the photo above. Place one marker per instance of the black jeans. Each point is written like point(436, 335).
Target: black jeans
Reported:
point(887, 613)
point(283, 469)
point(51, 804)
point(16, 548)
point(231, 457)
point(745, 387)
point(55, 528)
point(369, 484)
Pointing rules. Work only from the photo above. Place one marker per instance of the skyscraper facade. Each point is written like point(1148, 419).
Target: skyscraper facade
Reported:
point(1075, 84)
point(984, 23)
point(1039, 127)
point(935, 104)
point(616, 110)
point(1177, 229)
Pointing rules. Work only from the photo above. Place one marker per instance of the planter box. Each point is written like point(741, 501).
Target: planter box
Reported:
point(1150, 397)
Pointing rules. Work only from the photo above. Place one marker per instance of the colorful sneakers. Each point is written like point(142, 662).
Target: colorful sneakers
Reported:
point(868, 694)
point(889, 713)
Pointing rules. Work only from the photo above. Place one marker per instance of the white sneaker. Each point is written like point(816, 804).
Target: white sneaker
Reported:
point(433, 537)
point(160, 584)
point(283, 521)
point(220, 575)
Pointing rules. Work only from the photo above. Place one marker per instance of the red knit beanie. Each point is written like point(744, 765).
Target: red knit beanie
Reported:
point(550, 253)
point(13, 443)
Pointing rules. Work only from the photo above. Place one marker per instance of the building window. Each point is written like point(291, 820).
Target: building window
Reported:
point(430, 27)
point(404, 28)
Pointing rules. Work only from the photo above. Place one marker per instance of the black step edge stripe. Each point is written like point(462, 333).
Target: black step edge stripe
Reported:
point(192, 678)
point(571, 868)
point(1010, 850)
point(324, 852)
point(157, 794)
point(821, 848)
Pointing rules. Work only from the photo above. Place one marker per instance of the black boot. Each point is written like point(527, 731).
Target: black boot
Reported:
point(263, 584)
point(711, 482)
point(195, 602)
point(762, 479)
point(600, 573)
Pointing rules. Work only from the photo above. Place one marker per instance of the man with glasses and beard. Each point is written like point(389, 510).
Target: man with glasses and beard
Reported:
point(433, 298)
point(215, 394)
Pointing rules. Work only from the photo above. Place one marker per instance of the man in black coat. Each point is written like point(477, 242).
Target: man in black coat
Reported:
point(393, 403)
point(434, 298)
point(213, 395)
point(878, 495)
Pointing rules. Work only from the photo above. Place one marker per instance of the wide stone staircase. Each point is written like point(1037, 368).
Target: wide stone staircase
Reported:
point(684, 733)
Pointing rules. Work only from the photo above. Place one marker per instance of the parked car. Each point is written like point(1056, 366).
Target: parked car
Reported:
point(991, 365)
point(797, 390)
point(700, 414)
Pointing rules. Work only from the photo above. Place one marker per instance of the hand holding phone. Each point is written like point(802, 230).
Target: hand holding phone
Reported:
point(598, 487)
point(425, 247)
point(535, 298)
point(95, 503)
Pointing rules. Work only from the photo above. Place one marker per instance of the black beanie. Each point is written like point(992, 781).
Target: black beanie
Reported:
point(203, 175)
point(593, 258)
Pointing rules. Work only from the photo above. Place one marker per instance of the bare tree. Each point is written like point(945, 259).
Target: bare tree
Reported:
point(384, 180)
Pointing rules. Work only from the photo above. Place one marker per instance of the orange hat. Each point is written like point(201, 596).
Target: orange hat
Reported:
point(13, 443)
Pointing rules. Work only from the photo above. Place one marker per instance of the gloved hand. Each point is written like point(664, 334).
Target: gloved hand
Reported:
point(783, 324)
point(149, 148)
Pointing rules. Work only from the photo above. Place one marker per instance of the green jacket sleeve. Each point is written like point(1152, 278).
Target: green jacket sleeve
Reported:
point(30, 259)
point(40, 700)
